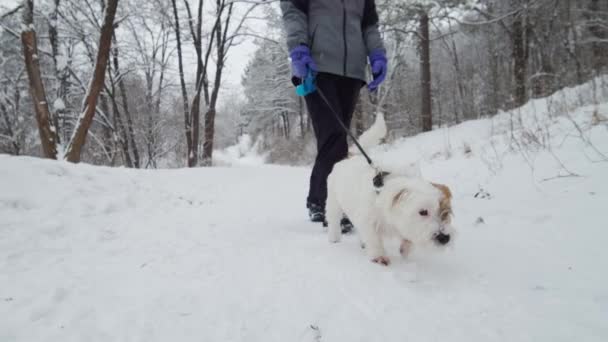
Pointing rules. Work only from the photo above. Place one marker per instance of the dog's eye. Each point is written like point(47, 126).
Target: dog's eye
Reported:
point(423, 212)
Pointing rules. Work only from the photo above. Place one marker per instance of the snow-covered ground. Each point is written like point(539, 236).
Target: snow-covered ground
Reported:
point(226, 254)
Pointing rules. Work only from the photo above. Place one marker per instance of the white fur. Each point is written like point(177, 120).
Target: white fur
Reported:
point(394, 210)
point(373, 136)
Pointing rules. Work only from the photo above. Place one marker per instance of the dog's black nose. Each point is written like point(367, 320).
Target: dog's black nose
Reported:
point(442, 238)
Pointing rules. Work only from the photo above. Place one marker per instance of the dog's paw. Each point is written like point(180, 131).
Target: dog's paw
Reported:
point(334, 235)
point(382, 260)
point(405, 248)
point(334, 238)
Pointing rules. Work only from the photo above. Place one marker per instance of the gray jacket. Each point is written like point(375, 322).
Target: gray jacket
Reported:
point(340, 33)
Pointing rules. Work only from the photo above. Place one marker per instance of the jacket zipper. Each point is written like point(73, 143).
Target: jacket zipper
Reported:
point(344, 34)
point(312, 38)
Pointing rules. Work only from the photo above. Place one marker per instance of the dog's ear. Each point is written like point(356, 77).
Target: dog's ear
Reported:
point(400, 196)
point(445, 204)
point(444, 190)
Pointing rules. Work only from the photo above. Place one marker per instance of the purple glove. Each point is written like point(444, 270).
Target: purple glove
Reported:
point(301, 61)
point(377, 59)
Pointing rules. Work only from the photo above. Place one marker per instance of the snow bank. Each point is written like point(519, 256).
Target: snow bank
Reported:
point(537, 135)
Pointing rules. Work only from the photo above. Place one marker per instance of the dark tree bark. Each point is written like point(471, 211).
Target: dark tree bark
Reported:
point(544, 82)
point(425, 72)
point(221, 33)
point(195, 109)
point(117, 120)
point(107, 139)
point(9, 129)
point(46, 127)
point(494, 77)
point(195, 114)
point(520, 63)
point(78, 140)
point(599, 33)
point(119, 131)
point(187, 126)
point(570, 42)
point(61, 74)
point(115, 139)
point(131, 146)
point(465, 105)
point(11, 107)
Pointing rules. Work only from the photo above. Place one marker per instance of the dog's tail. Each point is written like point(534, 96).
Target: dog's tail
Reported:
point(373, 136)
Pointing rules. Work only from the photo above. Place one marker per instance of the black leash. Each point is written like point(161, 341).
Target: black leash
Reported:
point(379, 178)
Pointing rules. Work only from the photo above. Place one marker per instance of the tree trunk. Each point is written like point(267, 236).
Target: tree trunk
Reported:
point(129, 132)
point(425, 72)
point(195, 109)
point(195, 115)
point(287, 125)
point(599, 33)
point(9, 129)
point(19, 136)
point(115, 138)
point(108, 143)
point(520, 61)
point(118, 123)
point(494, 76)
point(46, 127)
point(163, 68)
point(187, 127)
point(86, 118)
point(544, 83)
point(209, 137)
point(61, 75)
point(222, 40)
point(571, 42)
point(150, 138)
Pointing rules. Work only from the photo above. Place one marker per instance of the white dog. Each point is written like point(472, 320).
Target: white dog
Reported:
point(409, 208)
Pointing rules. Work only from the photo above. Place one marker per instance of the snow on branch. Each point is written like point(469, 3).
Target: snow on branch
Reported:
point(11, 12)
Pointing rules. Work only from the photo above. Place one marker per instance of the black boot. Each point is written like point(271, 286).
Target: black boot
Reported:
point(346, 225)
point(316, 212)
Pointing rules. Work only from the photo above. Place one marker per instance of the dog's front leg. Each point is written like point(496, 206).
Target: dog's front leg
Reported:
point(405, 247)
point(372, 238)
point(333, 214)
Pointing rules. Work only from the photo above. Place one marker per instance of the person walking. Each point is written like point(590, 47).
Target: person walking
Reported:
point(333, 39)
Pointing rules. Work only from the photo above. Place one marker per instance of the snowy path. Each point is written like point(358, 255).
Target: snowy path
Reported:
point(226, 254)
point(95, 254)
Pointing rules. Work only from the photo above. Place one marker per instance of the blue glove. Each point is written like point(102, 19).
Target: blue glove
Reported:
point(301, 61)
point(378, 61)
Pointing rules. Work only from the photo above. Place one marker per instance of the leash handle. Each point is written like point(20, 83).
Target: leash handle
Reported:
point(307, 85)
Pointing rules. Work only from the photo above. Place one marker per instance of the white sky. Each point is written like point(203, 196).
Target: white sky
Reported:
point(8, 2)
point(238, 57)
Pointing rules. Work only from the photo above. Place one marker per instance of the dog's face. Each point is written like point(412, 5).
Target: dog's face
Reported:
point(421, 212)
point(445, 215)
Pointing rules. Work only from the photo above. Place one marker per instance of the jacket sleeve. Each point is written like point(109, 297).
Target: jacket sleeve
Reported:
point(371, 34)
point(295, 21)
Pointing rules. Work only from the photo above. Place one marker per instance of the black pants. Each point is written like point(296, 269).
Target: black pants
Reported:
point(332, 146)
